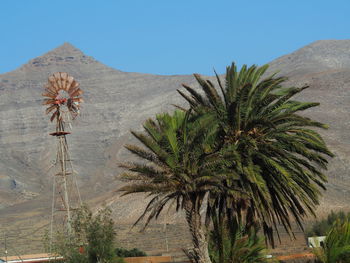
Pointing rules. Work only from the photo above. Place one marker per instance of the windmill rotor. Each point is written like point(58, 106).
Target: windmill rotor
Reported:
point(63, 95)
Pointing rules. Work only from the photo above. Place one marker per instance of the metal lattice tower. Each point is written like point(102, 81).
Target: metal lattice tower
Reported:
point(63, 100)
point(66, 197)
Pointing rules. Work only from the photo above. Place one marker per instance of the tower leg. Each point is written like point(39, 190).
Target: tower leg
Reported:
point(66, 196)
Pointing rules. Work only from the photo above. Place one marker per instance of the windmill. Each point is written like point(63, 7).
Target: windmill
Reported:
point(63, 97)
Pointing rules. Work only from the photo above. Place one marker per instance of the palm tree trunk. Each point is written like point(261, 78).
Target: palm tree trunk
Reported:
point(218, 227)
point(199, 253)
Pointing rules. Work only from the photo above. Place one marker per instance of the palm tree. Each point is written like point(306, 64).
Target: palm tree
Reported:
point(267, 149)
point(336, 247)
point(175, 171)
point(240, 246)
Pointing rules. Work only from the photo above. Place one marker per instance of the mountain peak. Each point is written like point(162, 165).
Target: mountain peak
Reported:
point(67, 45)
point(67, 49)
point(64, 54)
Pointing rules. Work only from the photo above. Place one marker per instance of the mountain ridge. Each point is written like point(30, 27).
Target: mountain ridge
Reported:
point(326, 54)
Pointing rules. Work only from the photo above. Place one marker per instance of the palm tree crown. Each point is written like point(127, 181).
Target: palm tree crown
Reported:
point(175, 171)
point(267, 149)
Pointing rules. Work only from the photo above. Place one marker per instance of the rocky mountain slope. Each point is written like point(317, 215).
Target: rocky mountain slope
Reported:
point(116, 102)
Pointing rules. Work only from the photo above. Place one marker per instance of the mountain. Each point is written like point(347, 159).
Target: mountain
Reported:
point(116, 102)
point(317, 57)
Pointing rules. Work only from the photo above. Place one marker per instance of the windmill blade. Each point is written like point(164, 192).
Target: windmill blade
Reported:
point(49, 101)
point(49, 94)
point(76, 93)
point(53, 84)
point(50, 89)
point(79, 100)
point(57, 77)
point(64, 77)
point(70, 80)
point(51, 108)
point(51, 79)
point(54, 115)
point(73, 86)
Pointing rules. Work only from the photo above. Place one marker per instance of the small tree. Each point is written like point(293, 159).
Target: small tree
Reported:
point(323, 226)
point(91, 240)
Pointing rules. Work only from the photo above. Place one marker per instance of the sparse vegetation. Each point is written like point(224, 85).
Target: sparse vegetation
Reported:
point(322, 227)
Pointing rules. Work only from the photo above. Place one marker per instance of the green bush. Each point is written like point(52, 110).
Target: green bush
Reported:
point(91, 239)
point(322, 227)
point(122, 252)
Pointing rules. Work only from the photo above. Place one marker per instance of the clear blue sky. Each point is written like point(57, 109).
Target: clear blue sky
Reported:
point(168, 36)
